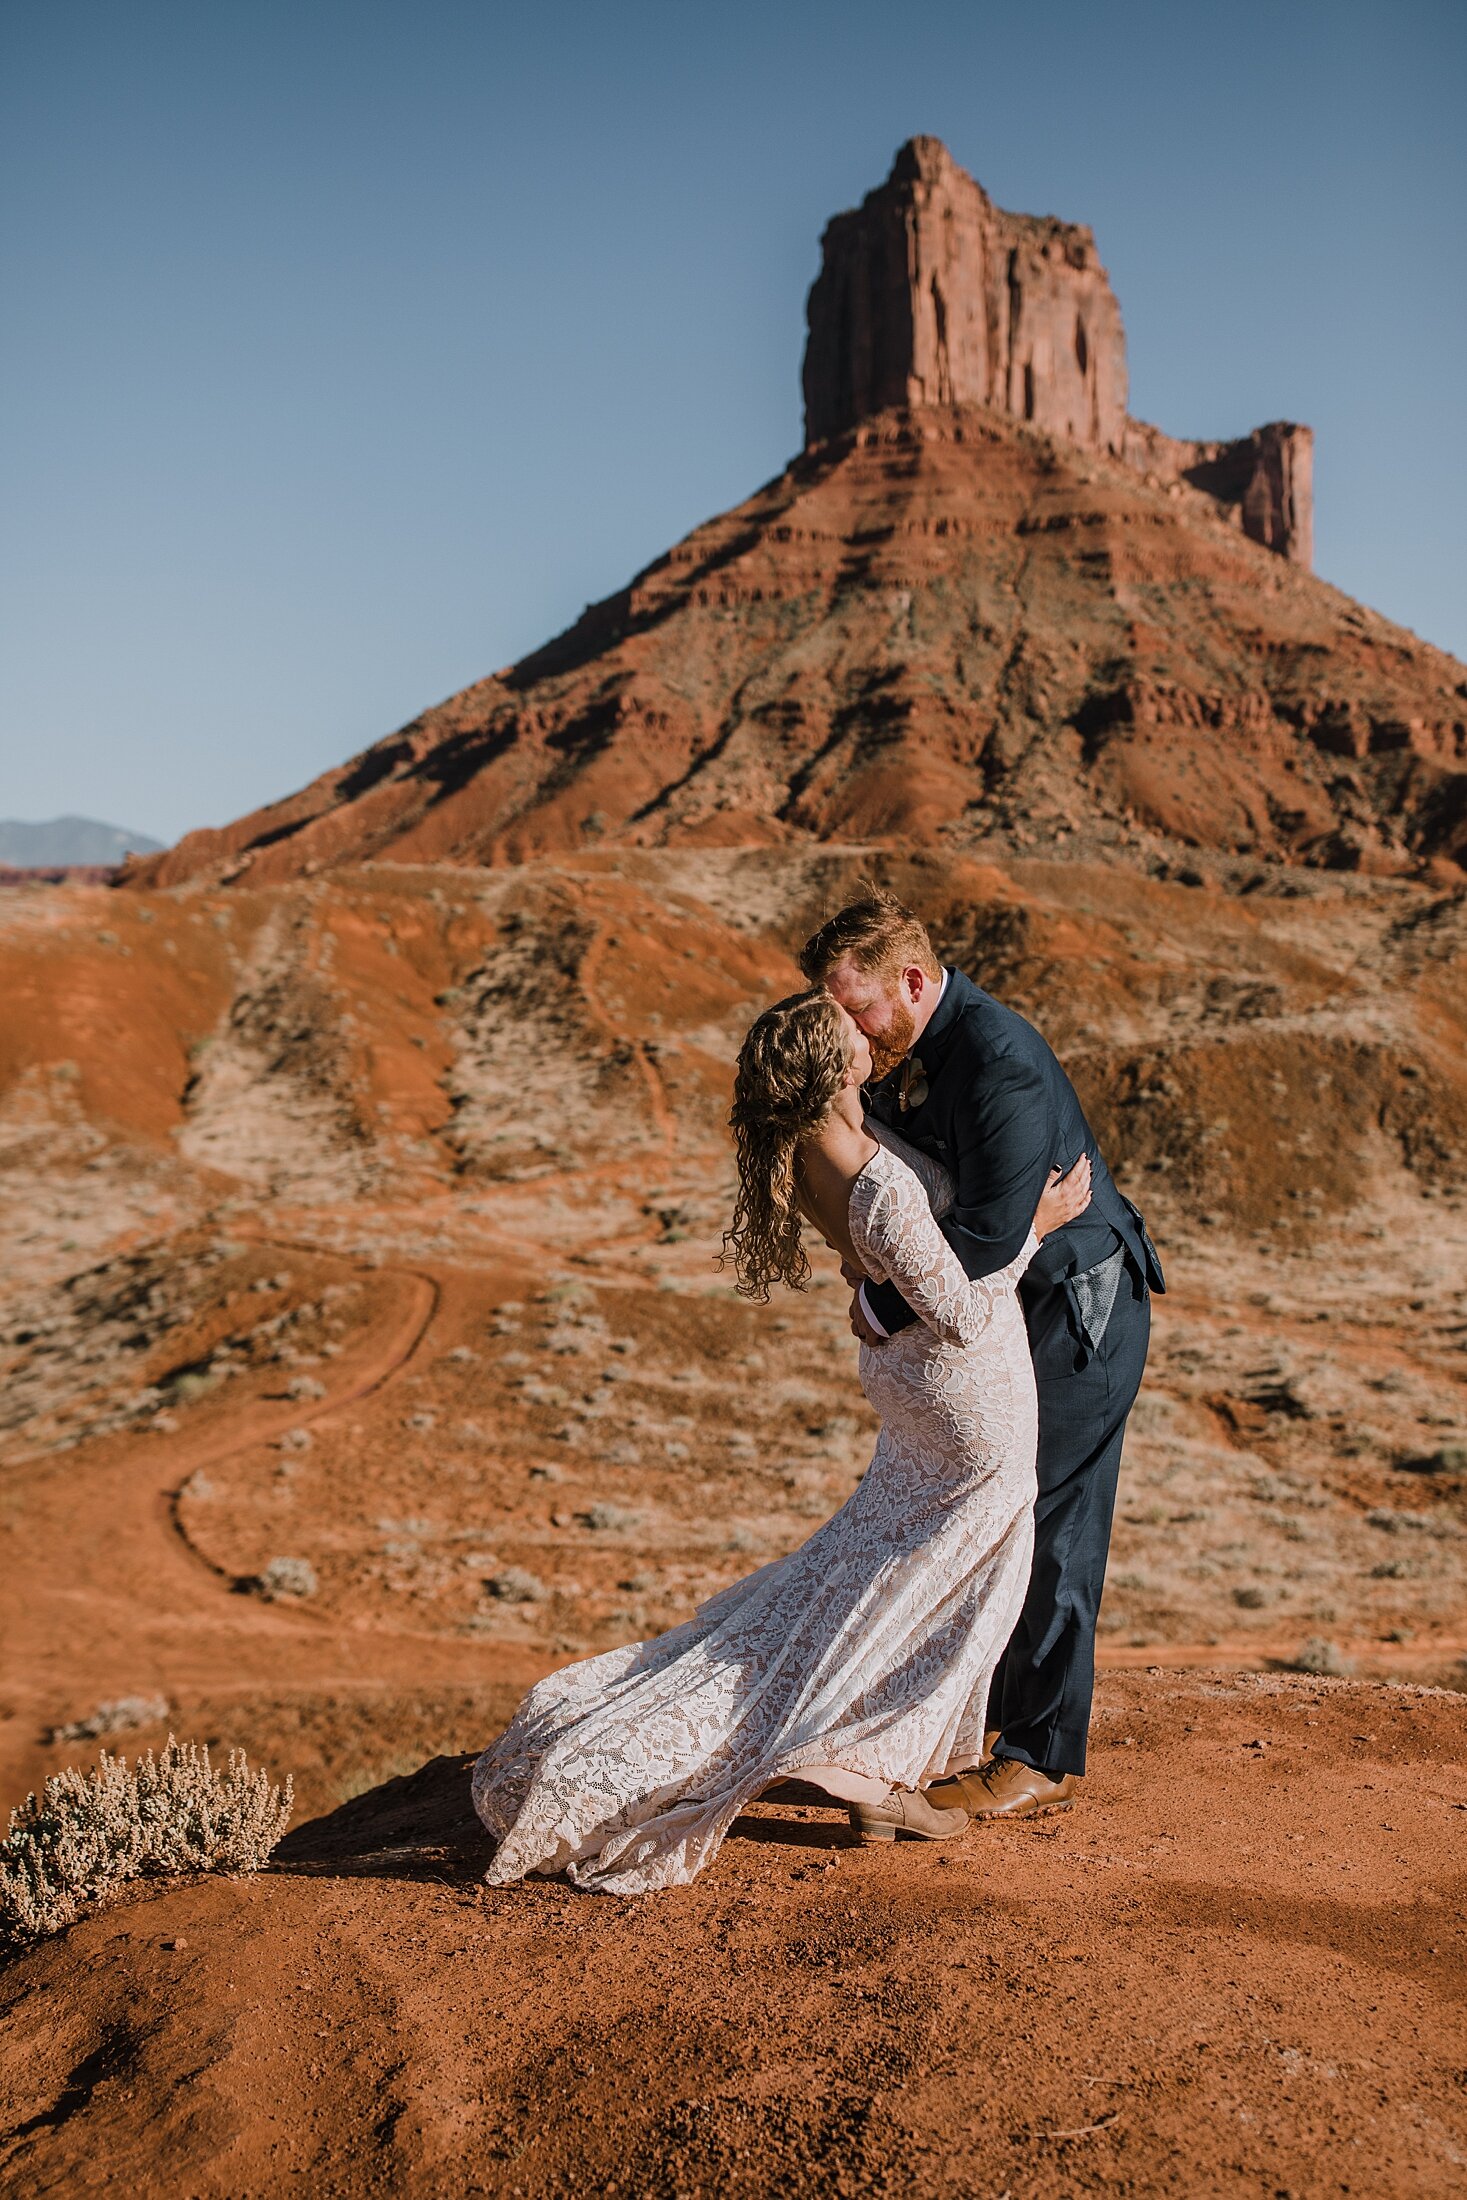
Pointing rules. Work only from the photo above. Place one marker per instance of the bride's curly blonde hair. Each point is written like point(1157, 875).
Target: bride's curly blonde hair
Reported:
point(791, 1065)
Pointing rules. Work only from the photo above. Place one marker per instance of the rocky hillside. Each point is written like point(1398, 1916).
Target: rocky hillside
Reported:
point(940, 624)
point(248, 1131)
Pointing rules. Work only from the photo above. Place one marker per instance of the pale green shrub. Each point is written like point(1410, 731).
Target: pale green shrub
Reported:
point(88, 1832)
point(615, 1518)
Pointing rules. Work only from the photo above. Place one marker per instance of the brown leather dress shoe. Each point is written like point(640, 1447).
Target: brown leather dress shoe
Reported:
point(907, 1812)
point(1004, 1789)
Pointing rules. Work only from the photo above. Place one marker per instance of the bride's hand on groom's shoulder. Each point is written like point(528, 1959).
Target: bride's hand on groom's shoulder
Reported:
point(1063, 1198)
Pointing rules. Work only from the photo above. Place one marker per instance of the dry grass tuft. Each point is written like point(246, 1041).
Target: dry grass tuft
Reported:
point(90, 1832)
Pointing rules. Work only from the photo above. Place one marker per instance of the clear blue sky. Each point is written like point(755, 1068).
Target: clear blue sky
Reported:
point(351, 346)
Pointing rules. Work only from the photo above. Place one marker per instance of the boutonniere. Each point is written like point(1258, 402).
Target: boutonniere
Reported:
point(914, 1087)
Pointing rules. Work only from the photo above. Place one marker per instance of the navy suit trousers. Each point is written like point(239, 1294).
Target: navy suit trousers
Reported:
point(1045, 1679)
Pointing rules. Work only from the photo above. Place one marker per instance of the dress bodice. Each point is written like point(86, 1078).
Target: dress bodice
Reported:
point(930, 1173)
point(895, 1233)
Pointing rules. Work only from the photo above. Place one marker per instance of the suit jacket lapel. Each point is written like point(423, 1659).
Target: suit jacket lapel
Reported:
point(932, 1047)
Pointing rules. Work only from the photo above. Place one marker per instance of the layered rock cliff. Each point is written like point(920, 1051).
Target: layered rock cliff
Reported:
point(941, 621)
point(931, 295)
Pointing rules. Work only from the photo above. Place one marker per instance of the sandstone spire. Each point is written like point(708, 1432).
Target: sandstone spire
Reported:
point(929, 294)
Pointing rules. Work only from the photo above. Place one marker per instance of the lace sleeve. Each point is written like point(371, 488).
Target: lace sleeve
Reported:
point(891, 1220)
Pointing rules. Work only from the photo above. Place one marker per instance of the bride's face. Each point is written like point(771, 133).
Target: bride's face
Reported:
point(858, 1049)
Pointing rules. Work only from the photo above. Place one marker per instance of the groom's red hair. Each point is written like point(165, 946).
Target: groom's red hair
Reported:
point(876, 933)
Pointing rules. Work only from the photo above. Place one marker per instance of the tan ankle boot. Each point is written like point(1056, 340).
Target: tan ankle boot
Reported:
point(906, 1811)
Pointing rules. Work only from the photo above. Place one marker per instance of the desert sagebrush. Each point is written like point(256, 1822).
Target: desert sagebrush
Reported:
point(115, 1717)
point(288, 1577)
point(1319, 1656)
point(516, 1586)
point(87, 1832)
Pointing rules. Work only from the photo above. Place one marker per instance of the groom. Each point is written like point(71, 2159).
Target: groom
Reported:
point(972, 1083)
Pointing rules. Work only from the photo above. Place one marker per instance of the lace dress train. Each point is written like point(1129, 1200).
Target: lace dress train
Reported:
point(863, 1656)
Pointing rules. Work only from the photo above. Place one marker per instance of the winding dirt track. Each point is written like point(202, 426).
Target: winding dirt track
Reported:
point(1236, 1969)
point(388, 1357)
point(139, 1605)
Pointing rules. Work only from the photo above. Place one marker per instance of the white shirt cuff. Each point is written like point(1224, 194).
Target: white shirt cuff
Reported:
point(871, 1318)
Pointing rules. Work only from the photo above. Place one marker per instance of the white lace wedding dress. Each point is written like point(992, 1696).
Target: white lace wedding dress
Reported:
point(862, 1657)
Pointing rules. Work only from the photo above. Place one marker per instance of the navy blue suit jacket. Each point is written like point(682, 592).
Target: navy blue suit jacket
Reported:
point(1000, 1113)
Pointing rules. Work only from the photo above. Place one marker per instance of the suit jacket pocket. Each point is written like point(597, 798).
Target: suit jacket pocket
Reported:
point(1092, 1296)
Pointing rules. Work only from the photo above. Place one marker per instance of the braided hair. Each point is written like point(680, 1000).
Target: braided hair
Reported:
point(791, 1065)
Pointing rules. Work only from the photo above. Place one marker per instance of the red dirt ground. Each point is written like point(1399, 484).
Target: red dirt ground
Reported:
point(1237, 1970)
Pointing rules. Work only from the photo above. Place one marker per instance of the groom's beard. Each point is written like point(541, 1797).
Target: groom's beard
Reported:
point(894, 1043)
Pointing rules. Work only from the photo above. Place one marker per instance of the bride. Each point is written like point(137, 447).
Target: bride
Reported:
point(861, 1662)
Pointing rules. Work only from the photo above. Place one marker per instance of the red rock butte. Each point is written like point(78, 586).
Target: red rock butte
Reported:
point(981, 602)
point(929, 294)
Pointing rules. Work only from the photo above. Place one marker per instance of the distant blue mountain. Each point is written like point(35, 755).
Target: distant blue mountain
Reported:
point(68, 840)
